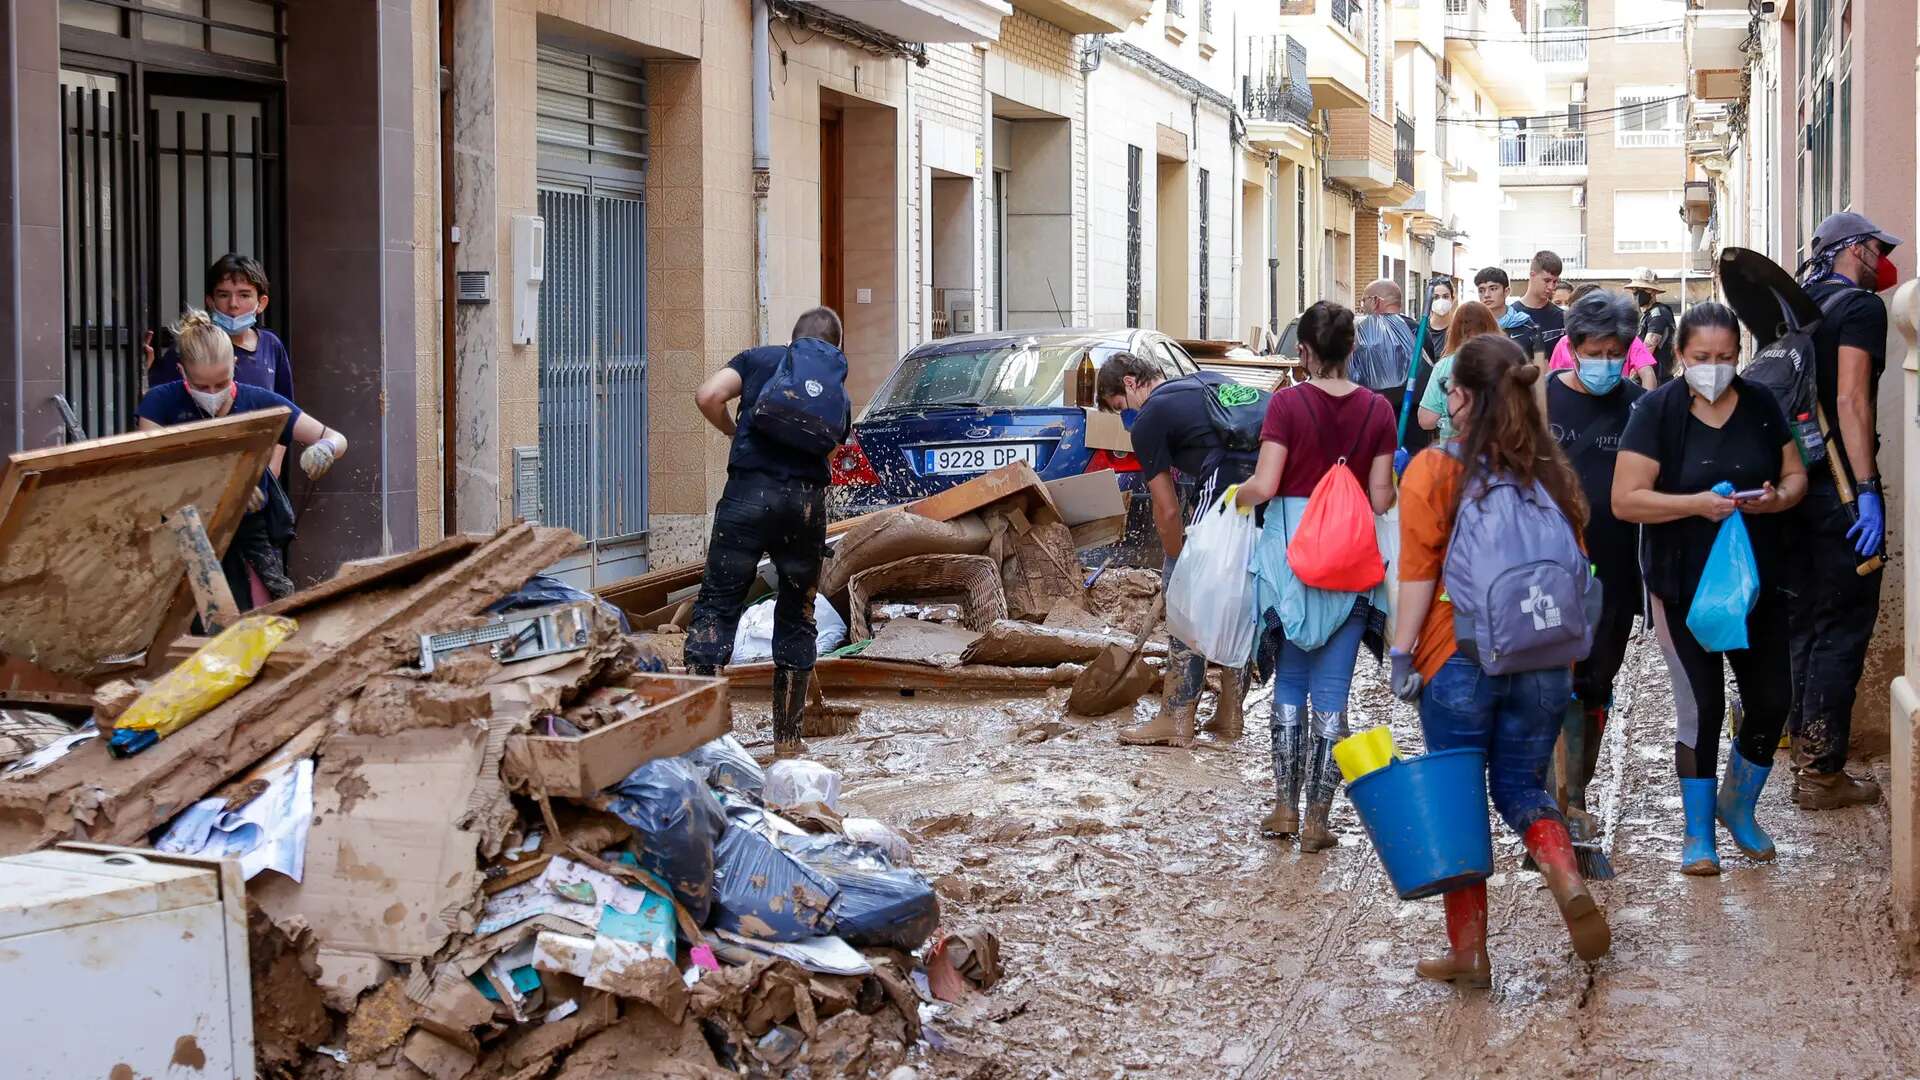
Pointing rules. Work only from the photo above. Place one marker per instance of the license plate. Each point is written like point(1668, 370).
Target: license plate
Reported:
point(973, 459)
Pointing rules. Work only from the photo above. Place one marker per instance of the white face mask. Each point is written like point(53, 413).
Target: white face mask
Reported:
point(1710, 380)
point(210, 403)
point(1442, 307)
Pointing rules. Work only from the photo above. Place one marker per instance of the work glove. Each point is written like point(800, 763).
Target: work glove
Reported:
point(1402, 457)
point(1227, 501)
point(317, 459)
point(1403, 677)
point(1870, 528)
point(256, 499)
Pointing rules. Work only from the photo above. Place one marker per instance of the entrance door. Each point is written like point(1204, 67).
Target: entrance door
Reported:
point(593, 332)
point(833, 191)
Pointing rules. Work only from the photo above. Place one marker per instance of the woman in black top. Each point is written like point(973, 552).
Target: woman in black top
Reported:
point(1683, 439)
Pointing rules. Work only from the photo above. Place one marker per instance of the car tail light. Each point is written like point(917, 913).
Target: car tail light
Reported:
point(849, 465)
point(1117, 460)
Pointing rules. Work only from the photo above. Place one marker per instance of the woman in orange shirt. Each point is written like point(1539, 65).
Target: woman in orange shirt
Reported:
point(1514, 717)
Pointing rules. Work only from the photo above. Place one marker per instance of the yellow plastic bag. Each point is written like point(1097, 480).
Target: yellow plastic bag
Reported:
point(215, 672)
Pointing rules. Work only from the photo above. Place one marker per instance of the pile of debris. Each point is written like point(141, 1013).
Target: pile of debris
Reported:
point(485, 832)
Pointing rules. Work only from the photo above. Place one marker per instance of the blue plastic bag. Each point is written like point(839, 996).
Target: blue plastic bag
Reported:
point(678, 822)
point(1728, 588)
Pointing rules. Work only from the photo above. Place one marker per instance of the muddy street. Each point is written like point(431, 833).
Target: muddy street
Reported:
point(1148, 928)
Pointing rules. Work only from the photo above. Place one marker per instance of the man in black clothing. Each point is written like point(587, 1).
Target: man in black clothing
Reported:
point(1657, 325)
point(1851, 263)
point(1543, 276)
point(775, 506)
point(1173, 431)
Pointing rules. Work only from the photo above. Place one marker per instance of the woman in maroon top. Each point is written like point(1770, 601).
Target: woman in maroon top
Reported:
point(1325, 423)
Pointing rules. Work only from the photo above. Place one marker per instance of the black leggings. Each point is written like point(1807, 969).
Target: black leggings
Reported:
point(1593, 676)
point(1762, 671)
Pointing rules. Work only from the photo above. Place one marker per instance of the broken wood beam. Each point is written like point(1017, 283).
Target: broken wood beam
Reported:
point(86, 795)
point(212, 597)
point(1012, 643)
point(856, 673)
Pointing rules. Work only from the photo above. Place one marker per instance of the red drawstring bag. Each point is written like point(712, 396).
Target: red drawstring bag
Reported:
point(1336, 548)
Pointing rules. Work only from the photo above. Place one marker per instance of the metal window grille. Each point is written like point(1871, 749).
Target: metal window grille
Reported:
point(1843, 138)
point(1300, 238)
point(591, 124)
point(1133, 235)
point(249, 31)
point(1403, 148)
point(1176, 7)
point(1206, 16)
point(98, 204)
point(1206, 292)
point(1275, 86)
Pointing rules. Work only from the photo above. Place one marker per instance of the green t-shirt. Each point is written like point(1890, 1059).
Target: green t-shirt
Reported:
point(1435, 399)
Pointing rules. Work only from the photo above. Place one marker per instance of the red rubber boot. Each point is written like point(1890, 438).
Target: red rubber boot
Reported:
point(1466, 961)
point(1547, 841)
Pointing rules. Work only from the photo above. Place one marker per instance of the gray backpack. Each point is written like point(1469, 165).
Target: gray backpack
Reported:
point(1524, 595)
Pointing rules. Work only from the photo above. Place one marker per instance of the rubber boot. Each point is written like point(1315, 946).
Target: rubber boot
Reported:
point(1172, 726)
point(789, 707)
point(707, 671)
point(1228, 721)
point(1735, 806)
point(1552, 849)
point(1465, 963)
point(1831, 791)
point(1323, 780)
point(1582, 731)
point(1289, 763)
point(1698, 856)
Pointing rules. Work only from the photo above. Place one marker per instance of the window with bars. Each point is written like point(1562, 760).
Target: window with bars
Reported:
point(1206, 265)
point(1378, 58)
point(1843, 137)
point(590, 111)
point(1820, 153)
point(1134, 164)
point(1300, 238)
point(245, 30)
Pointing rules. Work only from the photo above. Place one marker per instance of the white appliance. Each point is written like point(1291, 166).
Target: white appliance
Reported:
point(123, 962)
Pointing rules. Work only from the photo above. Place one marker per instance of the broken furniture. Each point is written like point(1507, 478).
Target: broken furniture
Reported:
point(972, 580)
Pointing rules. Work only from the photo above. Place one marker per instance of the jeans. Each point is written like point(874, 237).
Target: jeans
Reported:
point(1831, 628)
point(1515, 718)
point(760, 515)
point(1321, 676)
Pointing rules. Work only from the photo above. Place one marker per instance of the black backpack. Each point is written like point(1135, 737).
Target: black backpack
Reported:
point(804, 405)
point(1237, 413)
point(1786, 370)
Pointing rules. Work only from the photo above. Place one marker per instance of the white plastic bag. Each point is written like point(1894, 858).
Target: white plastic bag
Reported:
point(753, 640)
point(796, 781)
point(1210, 598)
point(868, 830)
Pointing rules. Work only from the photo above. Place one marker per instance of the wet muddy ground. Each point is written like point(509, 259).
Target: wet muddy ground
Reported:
point(1148, 928)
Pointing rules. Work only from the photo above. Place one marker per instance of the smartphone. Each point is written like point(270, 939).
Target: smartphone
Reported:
point(1752, 493)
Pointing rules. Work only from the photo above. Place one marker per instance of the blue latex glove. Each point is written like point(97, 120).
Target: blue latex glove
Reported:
point(1871, 527)
point(1403, 677)
point(1401, 457)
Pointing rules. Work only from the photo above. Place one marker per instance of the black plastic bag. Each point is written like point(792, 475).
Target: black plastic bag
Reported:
point(679, 821)
point(876, 903)
point(729, 767)
point(760, 891)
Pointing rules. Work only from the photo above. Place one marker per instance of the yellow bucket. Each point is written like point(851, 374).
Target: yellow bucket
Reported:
point(1361, 753)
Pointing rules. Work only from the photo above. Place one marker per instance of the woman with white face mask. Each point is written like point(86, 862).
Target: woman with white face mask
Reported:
point(206, 390)
point(1695, 432)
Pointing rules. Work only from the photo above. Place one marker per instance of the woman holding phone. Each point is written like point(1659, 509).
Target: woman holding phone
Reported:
point(1682, 439)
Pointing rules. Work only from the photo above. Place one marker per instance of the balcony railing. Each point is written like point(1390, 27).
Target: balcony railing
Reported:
point(1641, 140)
point(1516, 252)
point(1206, 16)
point(1275, 88)
point(1543, 151)
point(1457, 7)
point(1176, 7)
point(1351, 16)
point(1403, 148)
point(1558, 47)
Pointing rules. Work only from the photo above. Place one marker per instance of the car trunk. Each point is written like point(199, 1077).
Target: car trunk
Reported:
point(919, 451)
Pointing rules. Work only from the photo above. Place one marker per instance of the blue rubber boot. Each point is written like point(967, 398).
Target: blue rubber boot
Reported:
point(1697, 855)
point(1735, 806)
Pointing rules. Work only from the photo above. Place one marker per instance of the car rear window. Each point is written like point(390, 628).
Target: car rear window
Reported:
point(1011, 375)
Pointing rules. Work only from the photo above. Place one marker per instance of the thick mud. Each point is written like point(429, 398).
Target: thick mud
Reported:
point(1148, 928)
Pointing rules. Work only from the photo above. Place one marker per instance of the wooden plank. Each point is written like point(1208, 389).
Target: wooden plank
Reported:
point(1017, 484)
point(671, 714)
point(1099, 533)
point(22, 682)
point(212, 596)
point(87, 795)
point(371, 574)
point(1012, 643)
point(87, 568)
point(647, 593)
point(855, 673)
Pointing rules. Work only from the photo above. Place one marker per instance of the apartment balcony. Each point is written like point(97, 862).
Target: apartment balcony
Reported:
point(1715, 58)
point(1403, 148)
point(970, 21)
point(1561, 48)
point(1516, 253)
point(1085, 16)
point(1276, 94)
point(1484, 38)
point(1363, 152)
point(1461, 148)
point(1542, 158)
point(1334, 33)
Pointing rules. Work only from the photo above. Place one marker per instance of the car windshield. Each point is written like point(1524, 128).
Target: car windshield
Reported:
point(997, 375)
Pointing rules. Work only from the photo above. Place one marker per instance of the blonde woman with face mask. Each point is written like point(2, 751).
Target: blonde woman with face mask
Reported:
point(1693, 433)
point(206, 390)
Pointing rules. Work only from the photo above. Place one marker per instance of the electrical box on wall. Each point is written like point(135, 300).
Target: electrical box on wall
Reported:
point(529, 269)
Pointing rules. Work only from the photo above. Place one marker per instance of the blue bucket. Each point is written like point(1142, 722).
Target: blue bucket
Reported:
point(1427, 818)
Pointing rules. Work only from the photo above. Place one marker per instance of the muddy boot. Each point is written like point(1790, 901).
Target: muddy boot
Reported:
point(789, 707)
point(1831, 791)
point(1583, 733)
point(706, 671)
point(1734, 807)
point(1465, 963)
point(1697, 855)
point(1323, 780)
point(1228, 721)
point(1552, 849)
point(1172, 726)
point(1289, 762)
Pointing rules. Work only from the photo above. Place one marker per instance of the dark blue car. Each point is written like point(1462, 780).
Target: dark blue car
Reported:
point(962, 406)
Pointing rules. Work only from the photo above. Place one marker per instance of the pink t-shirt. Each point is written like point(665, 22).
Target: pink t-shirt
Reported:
point(1638, 356)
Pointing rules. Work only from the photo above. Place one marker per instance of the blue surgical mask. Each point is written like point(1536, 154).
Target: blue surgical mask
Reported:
point(235, 324)
point(1600, 374)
